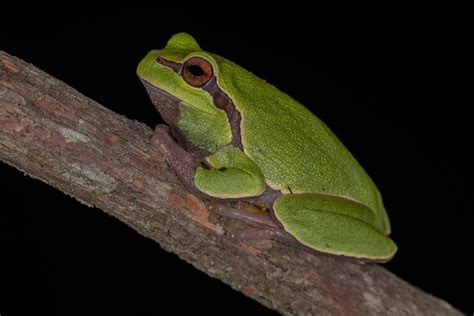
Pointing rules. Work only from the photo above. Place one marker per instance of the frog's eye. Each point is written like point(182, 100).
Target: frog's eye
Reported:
point(197, 71)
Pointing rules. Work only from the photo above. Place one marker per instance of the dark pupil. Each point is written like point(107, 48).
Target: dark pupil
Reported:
point(195, 70)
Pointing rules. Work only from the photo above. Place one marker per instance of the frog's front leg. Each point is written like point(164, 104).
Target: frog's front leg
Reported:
point(226, 174)
point(334, 225)
point(183, 163)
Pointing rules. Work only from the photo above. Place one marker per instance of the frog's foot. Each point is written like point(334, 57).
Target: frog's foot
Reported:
point(183, 163)
point(259, 219)
point(334, 225)
point(262, 225)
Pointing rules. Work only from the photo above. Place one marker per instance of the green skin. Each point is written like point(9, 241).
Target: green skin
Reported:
point(278, 151)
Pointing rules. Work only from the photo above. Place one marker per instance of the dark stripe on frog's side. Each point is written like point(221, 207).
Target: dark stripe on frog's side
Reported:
point(223, 101)
point(220, 98)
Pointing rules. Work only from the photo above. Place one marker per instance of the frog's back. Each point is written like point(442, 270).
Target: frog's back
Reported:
point(295, 150)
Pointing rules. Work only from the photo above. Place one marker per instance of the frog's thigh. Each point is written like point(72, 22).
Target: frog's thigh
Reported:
point(228, 182)
point(233, 175)
point(333, 225)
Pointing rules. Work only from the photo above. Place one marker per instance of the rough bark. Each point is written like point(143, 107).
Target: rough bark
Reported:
point(61, 137)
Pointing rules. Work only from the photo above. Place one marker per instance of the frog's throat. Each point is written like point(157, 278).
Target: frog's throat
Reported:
point(220, 98)
point(165, 103)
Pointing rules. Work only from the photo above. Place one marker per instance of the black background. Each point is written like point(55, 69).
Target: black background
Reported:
point(386, 85)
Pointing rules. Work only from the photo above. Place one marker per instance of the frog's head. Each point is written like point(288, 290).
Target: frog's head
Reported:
point(179, 79)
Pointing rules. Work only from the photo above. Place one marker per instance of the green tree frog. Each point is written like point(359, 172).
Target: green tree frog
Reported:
point(232, 135)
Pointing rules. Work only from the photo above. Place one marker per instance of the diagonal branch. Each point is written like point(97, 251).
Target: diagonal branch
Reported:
point(61, 137)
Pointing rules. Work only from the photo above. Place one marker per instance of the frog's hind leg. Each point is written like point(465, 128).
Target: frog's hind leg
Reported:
point(334, 225)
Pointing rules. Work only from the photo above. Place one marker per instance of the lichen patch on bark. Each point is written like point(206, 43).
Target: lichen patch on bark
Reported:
point(72, 136)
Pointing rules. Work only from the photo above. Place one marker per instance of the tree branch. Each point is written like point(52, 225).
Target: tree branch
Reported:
point(61, 137)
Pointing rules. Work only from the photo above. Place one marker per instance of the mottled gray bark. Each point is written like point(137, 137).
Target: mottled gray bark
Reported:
point(61, 137)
